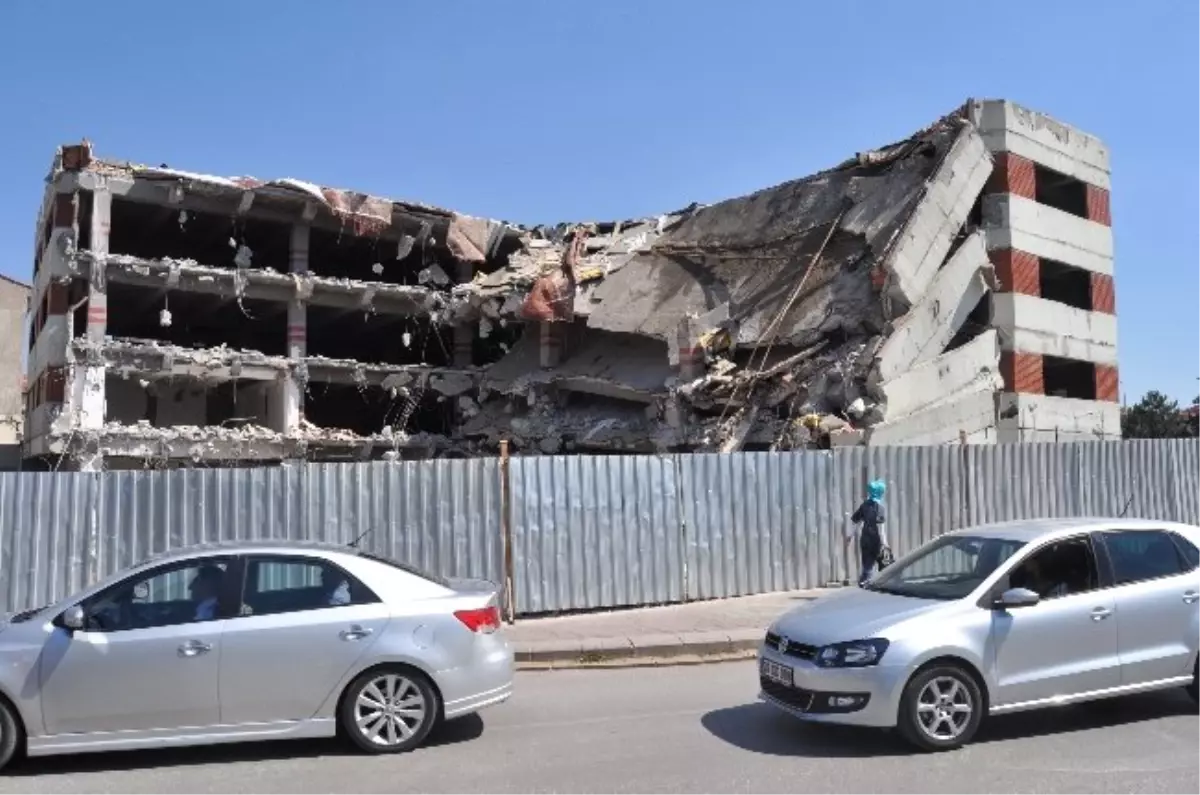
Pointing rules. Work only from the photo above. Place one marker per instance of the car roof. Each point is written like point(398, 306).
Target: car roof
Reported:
point(244, 547)
point(1026, 530)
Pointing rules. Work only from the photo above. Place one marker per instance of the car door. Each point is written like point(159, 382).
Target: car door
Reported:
point(1156, 587)
point(143, 659)
point(1066, 643)
point(303, 623)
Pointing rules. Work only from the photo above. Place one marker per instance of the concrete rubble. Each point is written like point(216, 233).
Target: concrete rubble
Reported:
point(831, 310)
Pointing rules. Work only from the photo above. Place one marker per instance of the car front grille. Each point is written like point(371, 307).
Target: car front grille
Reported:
point(801, 651)
point(792, 696)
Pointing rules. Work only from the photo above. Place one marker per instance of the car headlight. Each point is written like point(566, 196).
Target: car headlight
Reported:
point(853, 654)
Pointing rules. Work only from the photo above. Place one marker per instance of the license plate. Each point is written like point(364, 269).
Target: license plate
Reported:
point(781, 674)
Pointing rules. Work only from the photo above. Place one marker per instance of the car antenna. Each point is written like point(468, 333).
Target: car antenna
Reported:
point(1128, 502)
point(1124, 510)
point(363, 535)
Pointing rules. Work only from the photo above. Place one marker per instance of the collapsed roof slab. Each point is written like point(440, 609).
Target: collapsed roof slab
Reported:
point(930, 231)
point(755, 253)
point(926, 329)
point(190, 276)
point(288, 201)
point(969, 368)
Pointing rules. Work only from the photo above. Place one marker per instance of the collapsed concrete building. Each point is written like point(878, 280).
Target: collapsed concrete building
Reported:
point(955, 287)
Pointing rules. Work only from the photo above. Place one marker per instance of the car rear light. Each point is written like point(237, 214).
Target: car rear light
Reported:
point(485, 620)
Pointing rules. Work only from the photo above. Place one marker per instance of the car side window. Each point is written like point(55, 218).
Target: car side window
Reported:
point(1061, 568)
point(1191, 555)
point(179, 593)
point(1139, 555)
point(284, 584)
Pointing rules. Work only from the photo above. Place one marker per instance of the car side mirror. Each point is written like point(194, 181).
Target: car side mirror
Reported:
point(1017, 597)
point(72, 618)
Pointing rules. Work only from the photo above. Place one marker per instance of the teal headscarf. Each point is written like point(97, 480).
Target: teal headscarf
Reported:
point(875, 490)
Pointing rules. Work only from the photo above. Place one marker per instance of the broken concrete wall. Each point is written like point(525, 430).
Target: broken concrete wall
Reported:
point(14, 303)
point(930, 230)
point(970, 414)
point(974, 367)
point(925, 330)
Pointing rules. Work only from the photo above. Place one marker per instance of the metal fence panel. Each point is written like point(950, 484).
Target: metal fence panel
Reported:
point(595, 531)
point(1135, 478)
point(47, 543)
point(588, 532)
point(846, 491)
point(1022, 481)
point(926, 492)
point(1185, 462)
point(62, 531)
point(760, 522)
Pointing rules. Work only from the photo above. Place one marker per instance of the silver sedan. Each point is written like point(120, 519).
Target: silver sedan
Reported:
point(251, 642)
point(995, 619)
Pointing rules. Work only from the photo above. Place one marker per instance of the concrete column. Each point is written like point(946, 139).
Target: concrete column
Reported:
point(550, 343)
point(88, 387)
point(97, 316)
point(691, 352)
point(464, 335)
point(292, 398)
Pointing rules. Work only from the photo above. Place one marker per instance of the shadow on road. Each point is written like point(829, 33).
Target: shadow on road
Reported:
point(763, 729)
point(460, 730)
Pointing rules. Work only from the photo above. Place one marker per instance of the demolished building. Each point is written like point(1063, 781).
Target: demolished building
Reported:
point(955, 287)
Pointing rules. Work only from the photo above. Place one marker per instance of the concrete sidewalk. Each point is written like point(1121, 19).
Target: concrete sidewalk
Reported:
point(721, 629)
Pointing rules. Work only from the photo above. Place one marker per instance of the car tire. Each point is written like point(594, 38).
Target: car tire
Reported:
point(389, 710)
point(10, 733)
point(1193, 689)
point(941, 708)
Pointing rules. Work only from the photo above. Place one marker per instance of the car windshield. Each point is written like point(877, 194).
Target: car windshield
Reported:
point(949, 567)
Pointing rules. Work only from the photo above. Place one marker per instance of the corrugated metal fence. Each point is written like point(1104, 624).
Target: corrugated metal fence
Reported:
point(586, 532)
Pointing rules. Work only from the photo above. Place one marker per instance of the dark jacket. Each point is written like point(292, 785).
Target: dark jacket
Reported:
point(871, 515)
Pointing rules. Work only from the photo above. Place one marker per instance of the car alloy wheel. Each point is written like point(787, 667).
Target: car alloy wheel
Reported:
point(944, 708)
point(389, 711)
point(941, 708)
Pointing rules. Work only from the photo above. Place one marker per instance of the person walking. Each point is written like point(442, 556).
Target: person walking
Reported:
point(869, 521)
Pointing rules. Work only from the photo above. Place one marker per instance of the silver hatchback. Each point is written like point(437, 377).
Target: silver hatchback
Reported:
point(251, 642)
point(992, 620)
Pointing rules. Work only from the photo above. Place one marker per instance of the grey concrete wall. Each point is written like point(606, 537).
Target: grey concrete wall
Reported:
point(14, 299)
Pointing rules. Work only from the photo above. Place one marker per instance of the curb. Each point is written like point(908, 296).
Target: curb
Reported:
point(692, 648)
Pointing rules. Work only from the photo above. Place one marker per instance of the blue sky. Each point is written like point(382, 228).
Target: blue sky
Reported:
point(545, 111)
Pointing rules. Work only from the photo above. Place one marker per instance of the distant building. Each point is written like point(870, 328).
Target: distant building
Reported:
point(14, 304)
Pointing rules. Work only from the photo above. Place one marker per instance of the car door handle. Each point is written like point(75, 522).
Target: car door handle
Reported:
point(1101, 613)
point(1190, 596)
point(354, 633)
point(194, 648)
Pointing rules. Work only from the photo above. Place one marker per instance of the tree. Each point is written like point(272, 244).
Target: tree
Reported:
point(1156, 416)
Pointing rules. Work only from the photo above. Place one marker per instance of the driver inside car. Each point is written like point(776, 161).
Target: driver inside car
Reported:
point(204, 589)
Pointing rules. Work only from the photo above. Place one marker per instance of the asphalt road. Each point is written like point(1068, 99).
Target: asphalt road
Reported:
point(674, 730)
